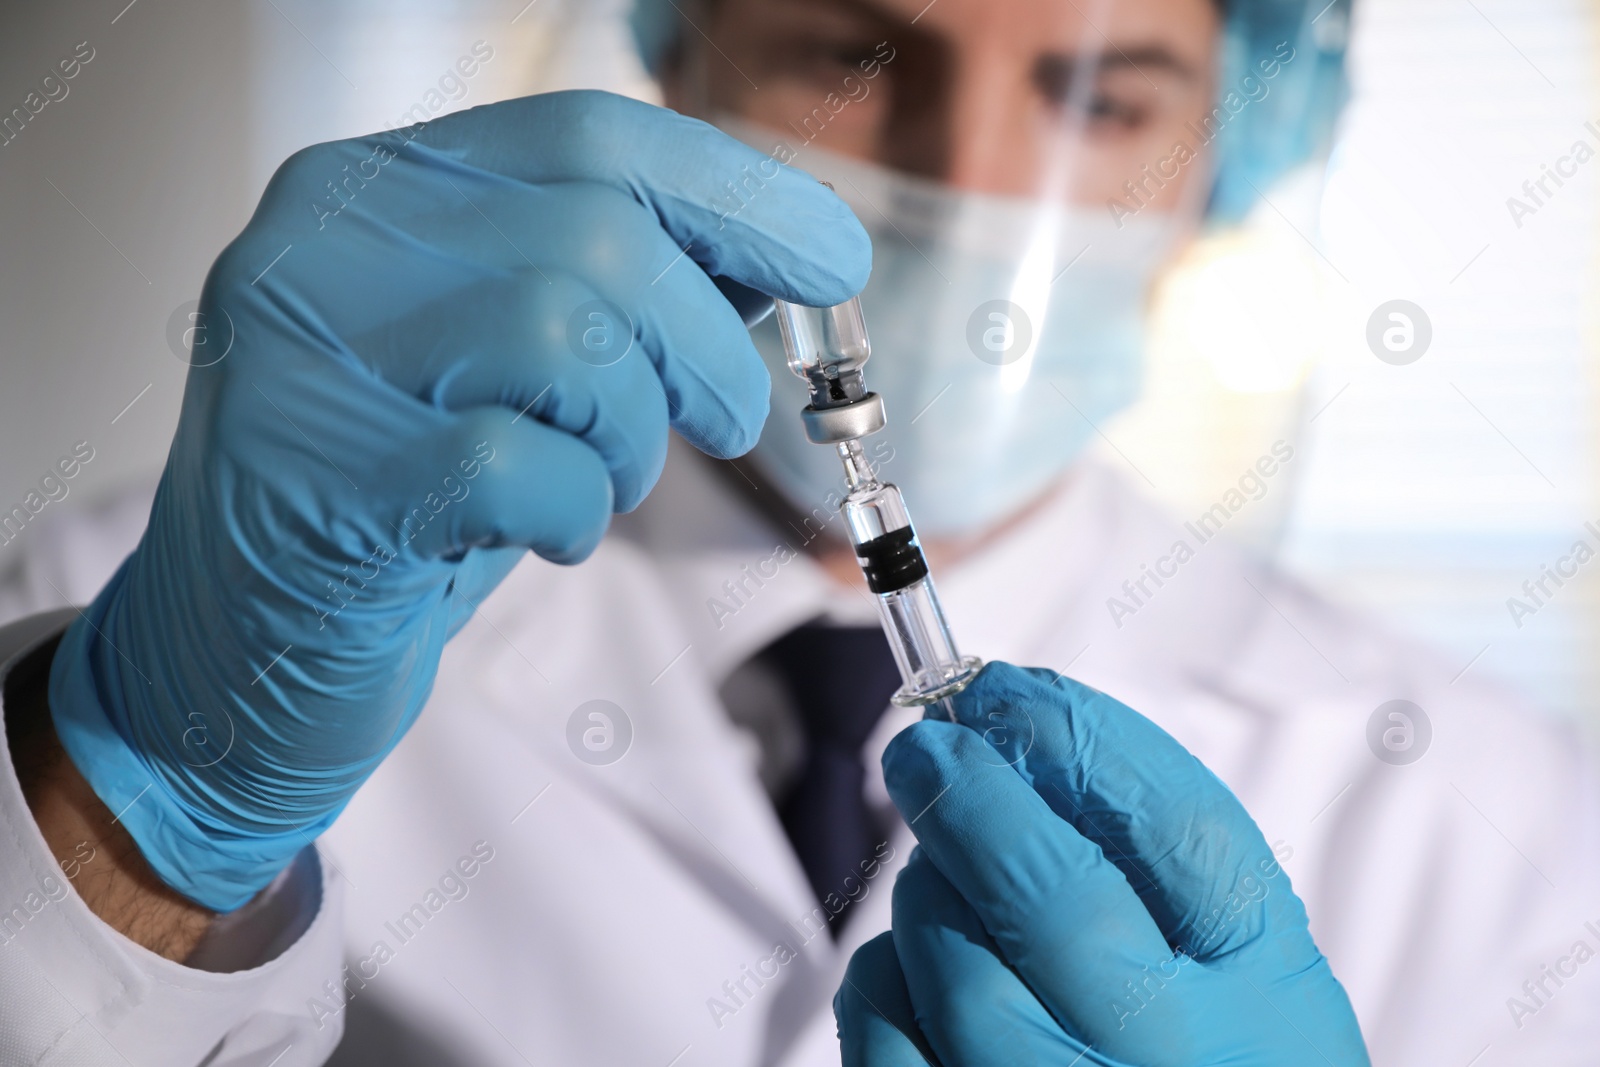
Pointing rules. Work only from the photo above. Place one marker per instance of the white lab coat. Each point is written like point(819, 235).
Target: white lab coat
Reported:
point(624, 906)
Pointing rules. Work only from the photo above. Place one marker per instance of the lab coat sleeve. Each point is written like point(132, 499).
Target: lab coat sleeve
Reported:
point(259, 990)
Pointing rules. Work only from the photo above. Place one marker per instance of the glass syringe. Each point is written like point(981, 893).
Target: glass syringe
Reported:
point(827, 348)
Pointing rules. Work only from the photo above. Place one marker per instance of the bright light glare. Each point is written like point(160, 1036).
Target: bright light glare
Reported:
point(1246, 305)
point(1031, 292)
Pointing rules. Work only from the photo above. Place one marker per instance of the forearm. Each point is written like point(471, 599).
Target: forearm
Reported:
point(117, 884)
point(105, 1000)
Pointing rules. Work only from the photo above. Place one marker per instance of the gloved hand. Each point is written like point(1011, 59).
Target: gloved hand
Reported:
point(444, 346)
point(1084, 892)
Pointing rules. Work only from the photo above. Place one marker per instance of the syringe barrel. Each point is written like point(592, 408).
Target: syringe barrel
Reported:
point(923, 648)
point(897, 573)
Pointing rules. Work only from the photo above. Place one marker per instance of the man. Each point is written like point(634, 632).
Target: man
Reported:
point(635, 824)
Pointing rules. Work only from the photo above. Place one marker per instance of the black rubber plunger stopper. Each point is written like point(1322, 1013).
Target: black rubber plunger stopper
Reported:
point(892, 561)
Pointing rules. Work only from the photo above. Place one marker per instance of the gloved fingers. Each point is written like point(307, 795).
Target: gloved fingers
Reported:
point(1063, 918)
point(430, 229)
point(544, 347)
point(601, 288)
point(877, 1027)
point(1181, 838)
point(713, 380)
point(973, 1008)
point(752, 304)
point(738, 213)
point(510, 483)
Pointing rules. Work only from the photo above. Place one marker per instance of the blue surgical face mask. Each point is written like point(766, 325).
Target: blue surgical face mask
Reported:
point(1004, 333)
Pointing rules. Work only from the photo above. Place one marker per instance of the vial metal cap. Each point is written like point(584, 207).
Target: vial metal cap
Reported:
point(843, 422)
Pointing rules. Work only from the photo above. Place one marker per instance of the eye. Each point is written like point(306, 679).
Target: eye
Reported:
point(821, 55)
point(1105, 101)
point(1110, 111)
point(852, 53)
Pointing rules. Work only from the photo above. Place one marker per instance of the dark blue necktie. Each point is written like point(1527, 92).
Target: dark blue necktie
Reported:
point(841, 679)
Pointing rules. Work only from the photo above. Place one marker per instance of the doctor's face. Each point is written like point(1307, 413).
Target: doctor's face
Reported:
point(1038, 98)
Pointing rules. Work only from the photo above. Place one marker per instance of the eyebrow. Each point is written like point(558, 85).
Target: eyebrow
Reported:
point(1059, 67)
point(867, 9)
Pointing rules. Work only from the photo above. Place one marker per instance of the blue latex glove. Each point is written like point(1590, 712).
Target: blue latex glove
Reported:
point(1084, 892)
point(419, 388)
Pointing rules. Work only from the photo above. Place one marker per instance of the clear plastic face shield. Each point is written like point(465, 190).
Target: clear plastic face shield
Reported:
point(1024, 168)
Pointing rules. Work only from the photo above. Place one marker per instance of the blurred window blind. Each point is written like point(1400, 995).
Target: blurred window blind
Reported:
point(1426, 494)
point(1435, 490)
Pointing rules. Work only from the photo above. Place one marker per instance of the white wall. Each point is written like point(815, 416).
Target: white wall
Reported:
point(163, 142)
point(148, 145)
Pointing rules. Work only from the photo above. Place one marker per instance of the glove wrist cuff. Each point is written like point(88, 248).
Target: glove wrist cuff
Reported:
point(210, 865)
